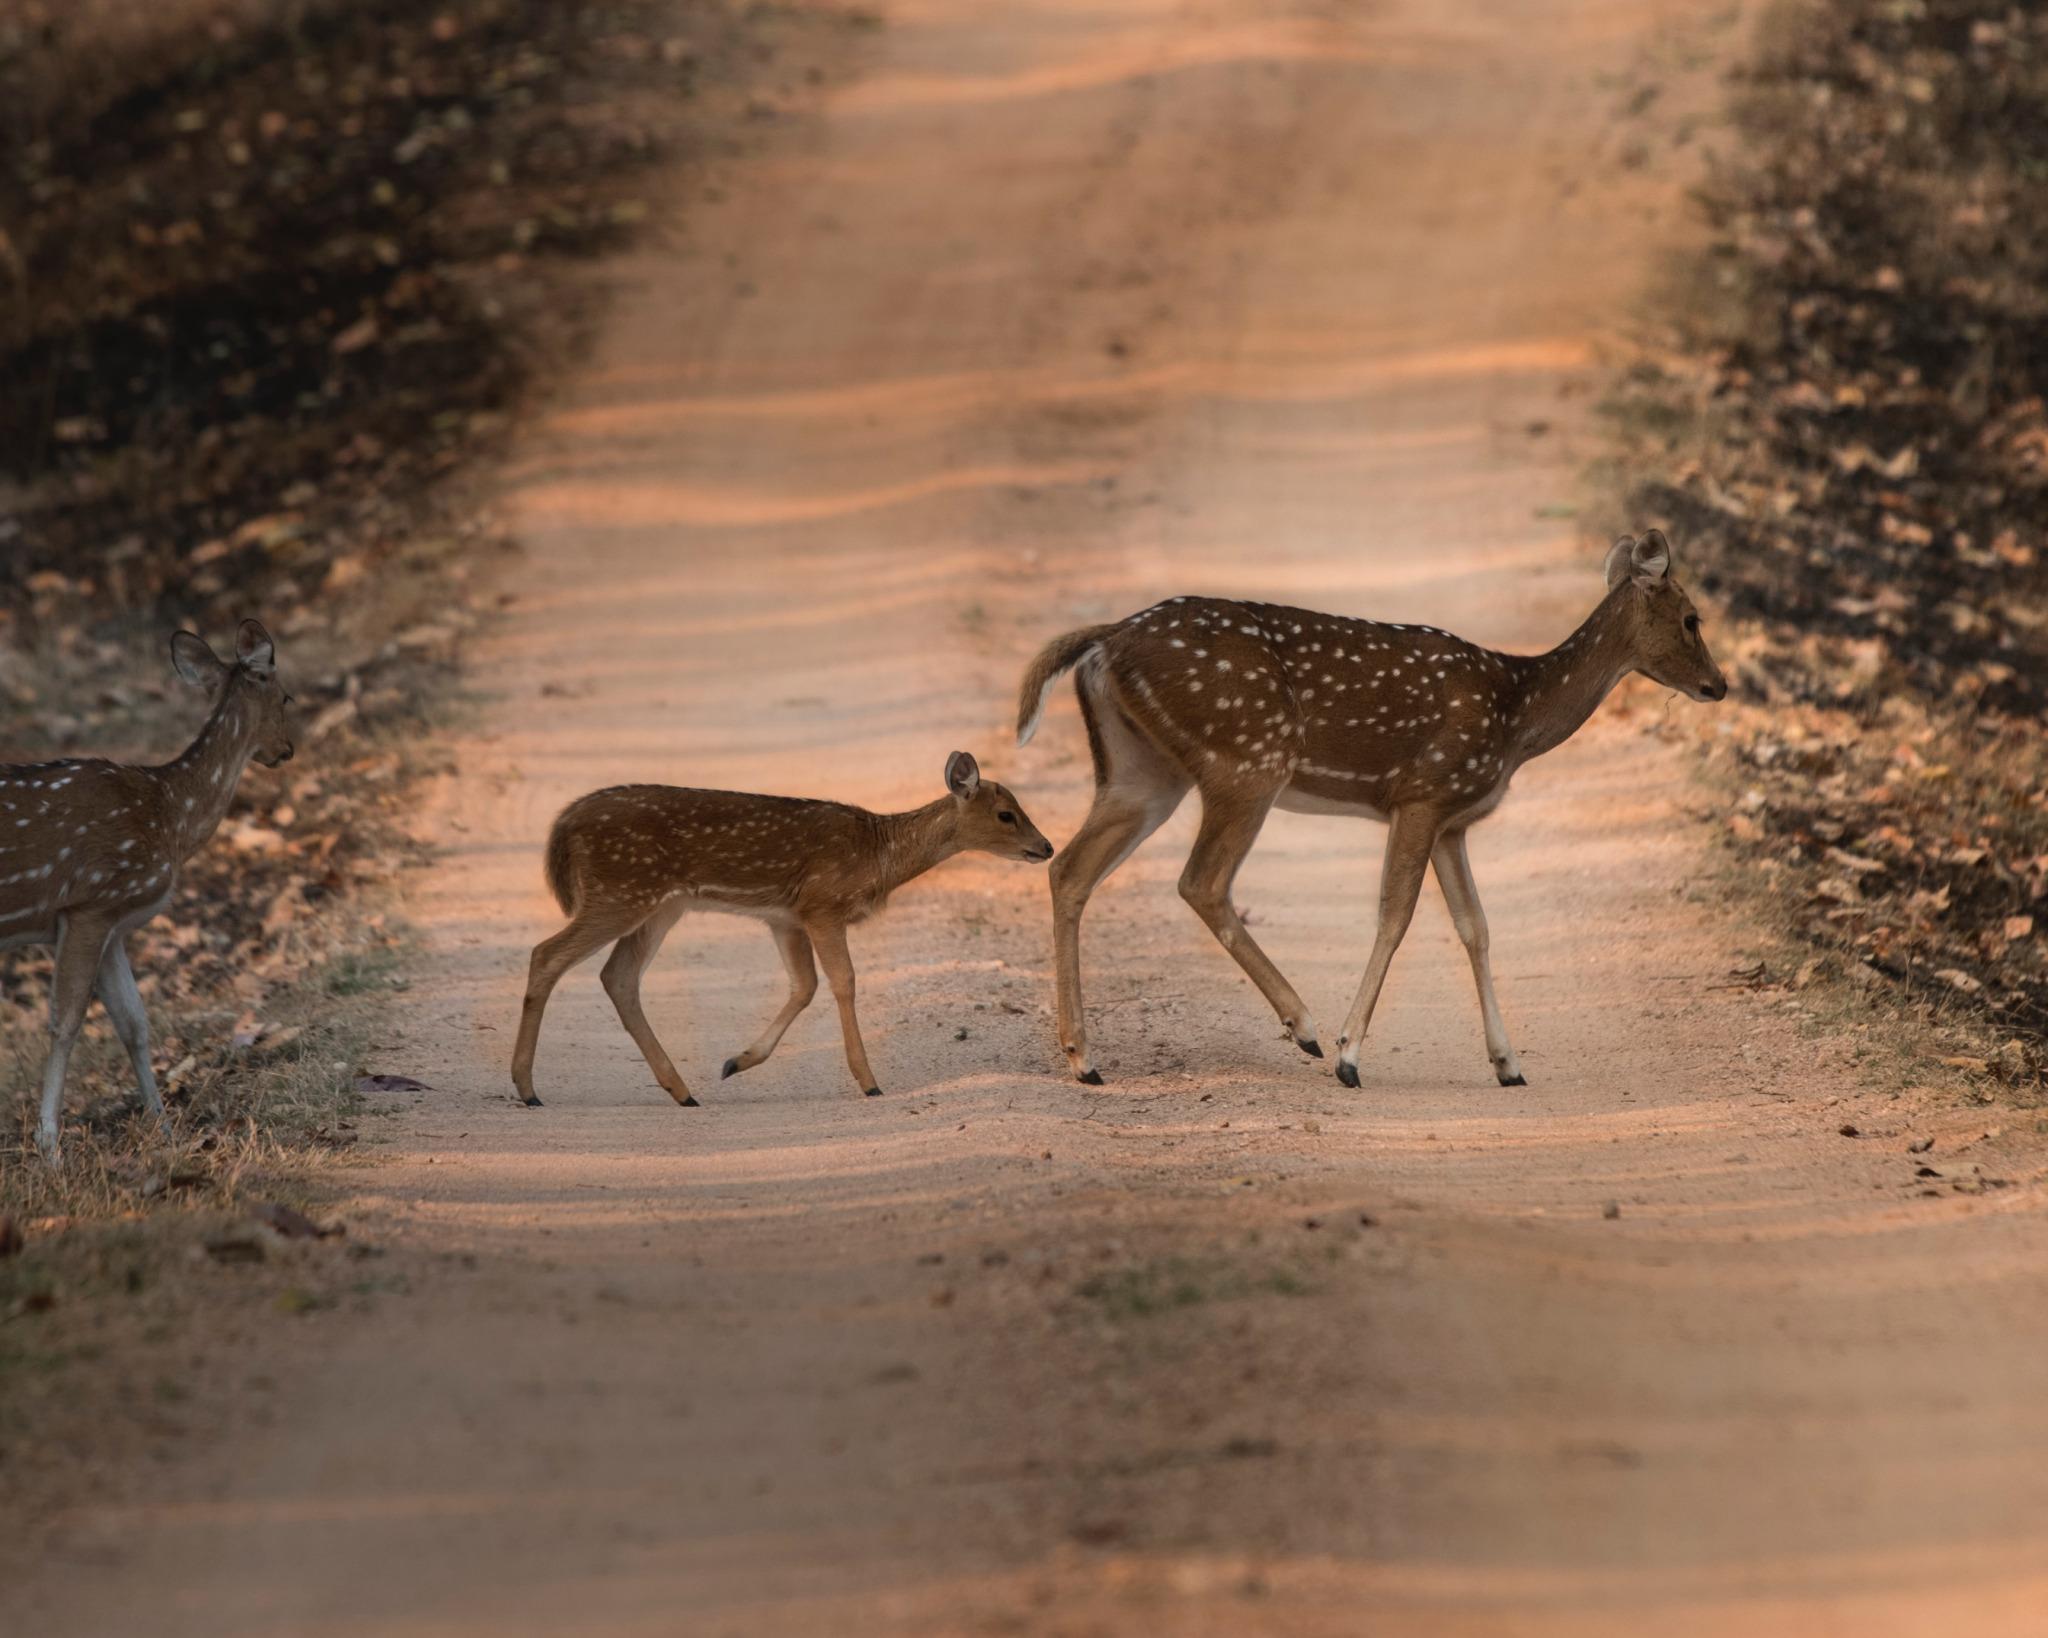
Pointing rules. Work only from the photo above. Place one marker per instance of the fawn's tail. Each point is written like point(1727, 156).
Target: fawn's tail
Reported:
point(1054, 660)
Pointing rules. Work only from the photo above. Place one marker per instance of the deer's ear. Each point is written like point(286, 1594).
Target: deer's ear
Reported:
point(193, 660)
point(963, 775)
point(1618, 560)
point(1651, 559)
point(254, 648)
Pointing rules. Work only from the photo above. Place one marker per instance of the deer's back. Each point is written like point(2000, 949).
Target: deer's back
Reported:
point(1352, 713)
point(638, 845)
point(76, 833)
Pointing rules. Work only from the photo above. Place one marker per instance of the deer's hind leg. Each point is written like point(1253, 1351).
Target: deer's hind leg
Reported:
point(81, 940)
point(593, 927)
point(621, 979)
point(795, 945)
point(1137, 787)
point(1231, 819)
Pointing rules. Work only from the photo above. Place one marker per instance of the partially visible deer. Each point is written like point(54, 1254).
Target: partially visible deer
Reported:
point(1259, 706)
point(626, 862)
point(90, 850)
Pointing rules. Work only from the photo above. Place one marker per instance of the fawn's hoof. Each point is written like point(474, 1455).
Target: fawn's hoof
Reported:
point(728, 1069)
point(529, 1102)
point(871, 1091)
point(1347, 1072)
point(689, 1102)
point(1514, 1080)
point(1312, 1047)
point(1090, 1077)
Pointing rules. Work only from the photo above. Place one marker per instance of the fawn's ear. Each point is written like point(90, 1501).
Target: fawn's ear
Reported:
point(1651, 560)
point(963, 775)
point(254, 648)
point(193, 660)
point(1617, 560)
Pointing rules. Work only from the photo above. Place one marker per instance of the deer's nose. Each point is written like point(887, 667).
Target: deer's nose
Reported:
point(285, 755)
point(1717, 689)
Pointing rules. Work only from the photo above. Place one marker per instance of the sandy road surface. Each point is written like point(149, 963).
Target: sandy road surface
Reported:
point(1051, 309)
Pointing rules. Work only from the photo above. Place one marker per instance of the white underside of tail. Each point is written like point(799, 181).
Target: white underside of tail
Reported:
point(1045, 693)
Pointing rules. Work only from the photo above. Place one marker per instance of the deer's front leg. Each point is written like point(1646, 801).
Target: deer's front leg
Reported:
point(1410, 837)
point(829, 941)
point(795, 945)
point(80, 942)
point(123, 1001)
point(1461, 895)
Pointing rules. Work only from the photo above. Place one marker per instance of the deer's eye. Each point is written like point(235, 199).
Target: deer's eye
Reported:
point(1007, 817)
point(1692, 623)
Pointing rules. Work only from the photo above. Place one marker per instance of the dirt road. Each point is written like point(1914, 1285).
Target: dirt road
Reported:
point(1048, 310)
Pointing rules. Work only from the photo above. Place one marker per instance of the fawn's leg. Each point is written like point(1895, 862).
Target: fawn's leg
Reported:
point(80, 942)
point(1230, 824)
point(621, 979)
point(123, 1002)
point(1454, 876)
point(830, 942)
point(592, 929)
point(795, 945)
point(1410, 836)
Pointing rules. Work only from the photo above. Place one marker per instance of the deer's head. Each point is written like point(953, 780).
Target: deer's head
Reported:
point(249, 685)
point(991, 819)
point(1662, 625)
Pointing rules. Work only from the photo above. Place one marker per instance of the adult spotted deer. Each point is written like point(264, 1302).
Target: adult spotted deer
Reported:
point(1259, 706)
point(626, 862)
point(90, 850)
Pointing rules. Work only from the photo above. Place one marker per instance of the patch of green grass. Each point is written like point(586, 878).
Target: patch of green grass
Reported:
point(1172, 1284)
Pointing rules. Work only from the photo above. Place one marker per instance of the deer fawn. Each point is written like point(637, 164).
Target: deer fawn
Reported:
point(90, 850)
point(1259, 706)
point(626, 862)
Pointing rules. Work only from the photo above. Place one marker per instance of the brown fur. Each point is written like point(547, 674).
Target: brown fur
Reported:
point(90, 850)
point(626, 862)
point(1259, 705)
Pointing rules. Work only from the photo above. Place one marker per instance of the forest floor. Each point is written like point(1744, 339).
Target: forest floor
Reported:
point(1025, 317)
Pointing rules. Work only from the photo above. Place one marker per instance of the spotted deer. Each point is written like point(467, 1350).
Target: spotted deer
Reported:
point(627, 862)
point(1260, 706)
point(90, 850)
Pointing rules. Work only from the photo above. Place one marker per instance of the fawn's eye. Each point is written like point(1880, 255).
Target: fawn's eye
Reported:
point(1692, 624)
point(1007, 817)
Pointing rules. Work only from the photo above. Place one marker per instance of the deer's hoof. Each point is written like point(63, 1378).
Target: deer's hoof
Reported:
point(1514, 1080)
point(728, 1069)
point(689, 1102)
point(1090, 1077)
point(871, 1091)
point(529, 1102)
point(1347, 1072)
point(1312, 1047)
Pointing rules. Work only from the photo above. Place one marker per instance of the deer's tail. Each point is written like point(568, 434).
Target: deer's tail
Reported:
point(1054, 660)
point(559, 863)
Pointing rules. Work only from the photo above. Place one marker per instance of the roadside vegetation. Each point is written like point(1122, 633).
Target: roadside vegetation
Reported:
point(1845, 424)
point(276, 278)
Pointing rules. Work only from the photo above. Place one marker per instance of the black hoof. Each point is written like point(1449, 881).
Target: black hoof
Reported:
point(730, 1068)
point(1313, 1048)
point(1092, 1078)
point(1514, 1080)
point(871, 1092)
point(1347, 1073)
point(690, 1103)
point(529, 1103)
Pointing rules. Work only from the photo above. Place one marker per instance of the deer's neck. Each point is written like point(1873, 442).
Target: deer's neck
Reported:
point(201, 783)
point(1561, 689)
point(909, 844)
